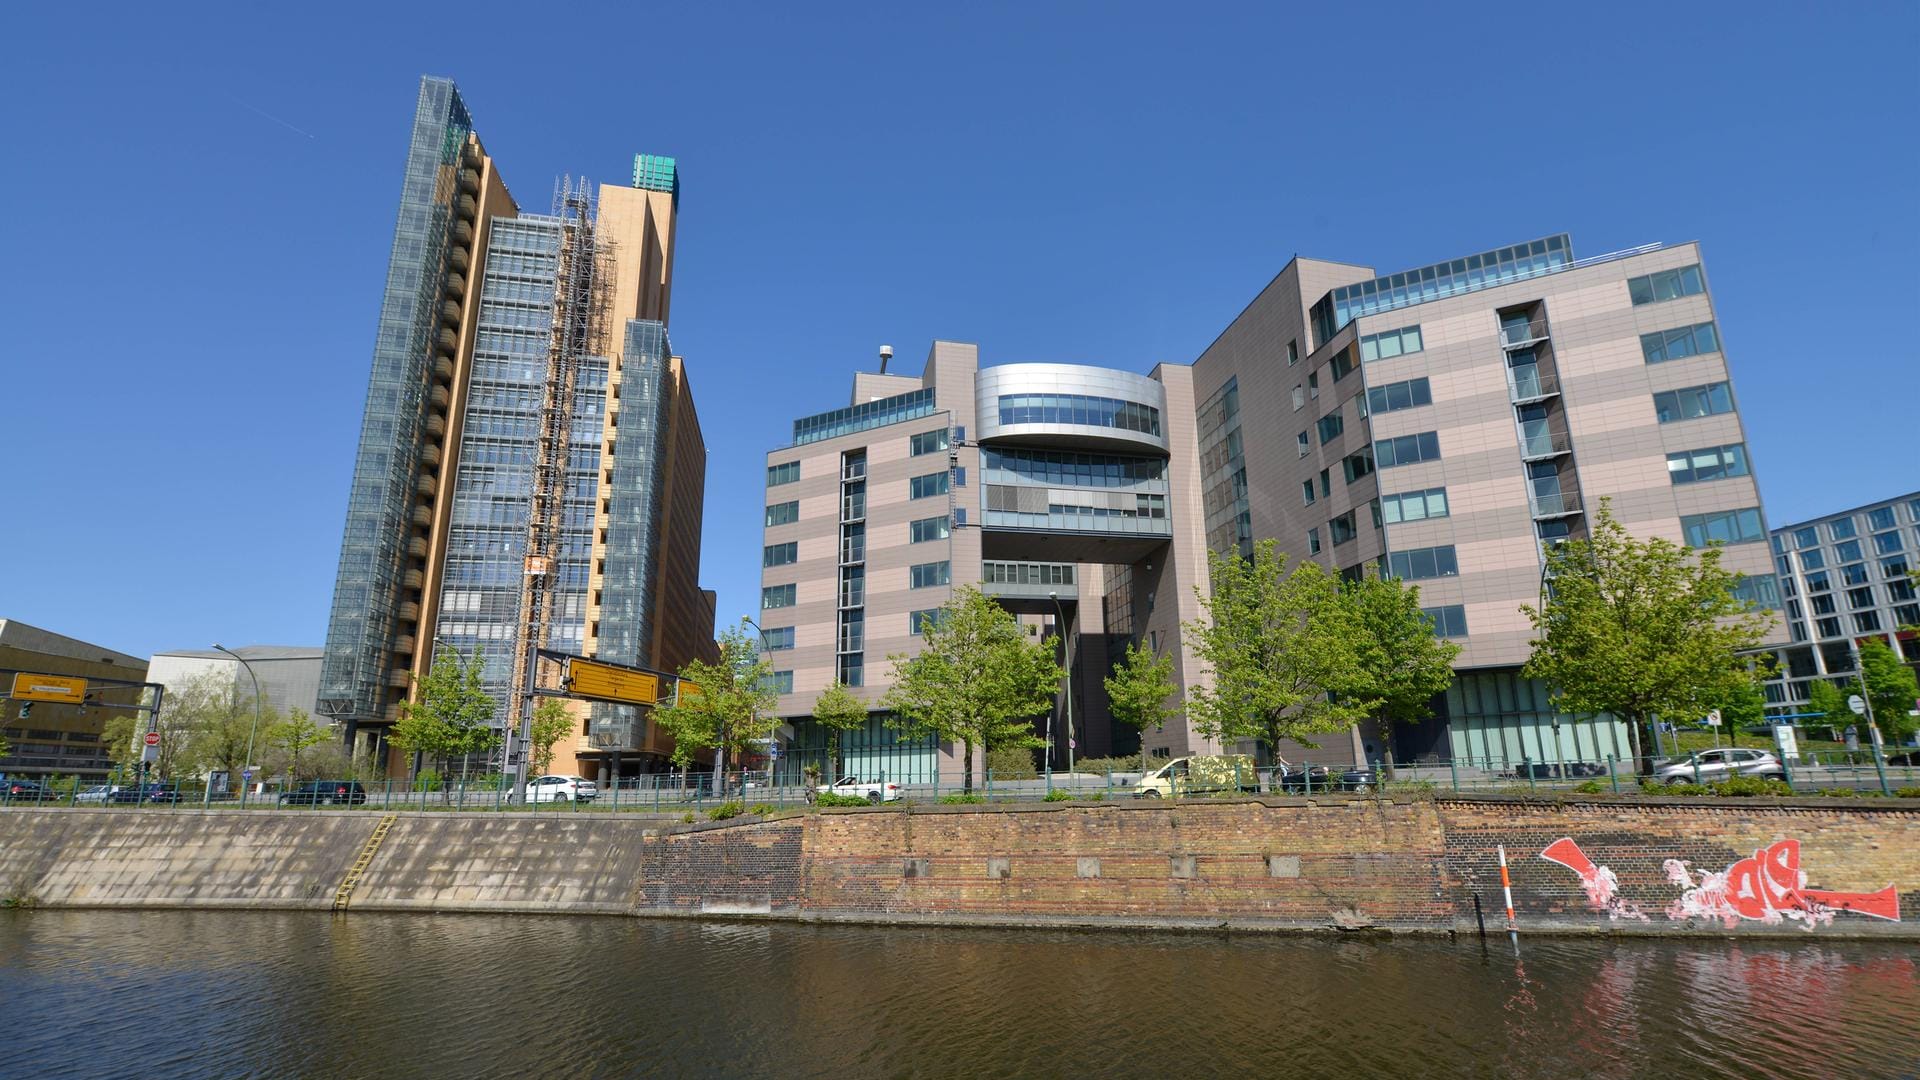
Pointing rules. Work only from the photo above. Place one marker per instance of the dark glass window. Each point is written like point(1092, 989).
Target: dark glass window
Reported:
point(1666, 285)
point(1419, 564)
point(785, 473)
point(1401, 395)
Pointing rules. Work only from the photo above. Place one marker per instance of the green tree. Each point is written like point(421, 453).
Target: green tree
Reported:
point(721, 706)
point(451, 714)
point(1831, 701)
point(1891, 689)
point(1742, 706)
point(294, 735)
point(552, 721)
point(182, 711)
point(1640, 629)
point(838, 711)
point(1279, 644)
point(219, 720)
point(978, 679)
point(1140, 692)
point(1403, 664)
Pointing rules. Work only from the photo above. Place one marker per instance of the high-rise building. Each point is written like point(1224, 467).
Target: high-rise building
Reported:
point(531, 468)
point(1846, 577)
point(1442, 425)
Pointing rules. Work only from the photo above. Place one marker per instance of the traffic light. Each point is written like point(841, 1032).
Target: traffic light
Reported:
point(26, 709)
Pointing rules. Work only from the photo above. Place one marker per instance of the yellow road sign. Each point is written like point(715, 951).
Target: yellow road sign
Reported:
point(30, 687)
point(607, 683)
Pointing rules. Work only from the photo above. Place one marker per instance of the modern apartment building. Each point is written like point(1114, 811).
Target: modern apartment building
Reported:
point(531, 468)
point(1845, 577)
point(1442, 425)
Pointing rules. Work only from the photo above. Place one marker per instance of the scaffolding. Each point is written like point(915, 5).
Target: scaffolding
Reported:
point(581, 305)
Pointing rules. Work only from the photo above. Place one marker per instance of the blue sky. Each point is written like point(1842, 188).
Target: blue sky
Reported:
point(202, 201)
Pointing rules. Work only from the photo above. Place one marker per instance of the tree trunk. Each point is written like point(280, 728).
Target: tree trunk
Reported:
point(1638, 730)
point(966, 768)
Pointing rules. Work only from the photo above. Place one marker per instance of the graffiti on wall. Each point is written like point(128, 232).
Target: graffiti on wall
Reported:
point(1767, 887)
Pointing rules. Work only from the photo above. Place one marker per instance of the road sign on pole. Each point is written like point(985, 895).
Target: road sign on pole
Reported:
point(1858, 704)
point(30, 687)
point(1713, 718)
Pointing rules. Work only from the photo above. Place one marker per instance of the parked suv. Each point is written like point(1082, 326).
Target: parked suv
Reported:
point(1712, 766)
point(557, 788)
point(325, 793)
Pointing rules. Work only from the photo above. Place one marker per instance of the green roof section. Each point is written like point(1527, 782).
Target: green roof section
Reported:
point(654, 172)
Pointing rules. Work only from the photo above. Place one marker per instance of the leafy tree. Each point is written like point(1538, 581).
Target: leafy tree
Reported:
point(720, 705)
point(837, 710)
point(552, 721)
point(1828, 699)
point(978, 679)
point(1403, 664)
point(1640, 629)
point(1891, 689)
point(183, 712)
point(1743, 706)
point(294, 735)
point(1140, 690)
point(1279, 644)
point(451, 714)
point(219, 720)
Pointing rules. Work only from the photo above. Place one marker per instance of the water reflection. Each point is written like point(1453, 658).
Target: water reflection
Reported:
point(298, 995)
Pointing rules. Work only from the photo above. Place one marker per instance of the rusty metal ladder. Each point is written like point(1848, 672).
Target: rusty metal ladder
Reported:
point(345, 892)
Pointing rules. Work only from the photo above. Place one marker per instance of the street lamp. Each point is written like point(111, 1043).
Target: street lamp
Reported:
point(1066, 650)
point(246, 770)
point(752, 719)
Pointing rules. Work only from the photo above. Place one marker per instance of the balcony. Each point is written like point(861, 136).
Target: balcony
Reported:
point(1546, 505)
point(1526, 385)
point(853, 509)
point(1541, 444)
point(853, 595)
point(1521, 335)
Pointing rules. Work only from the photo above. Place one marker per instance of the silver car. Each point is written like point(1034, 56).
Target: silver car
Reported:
point(1712, 766)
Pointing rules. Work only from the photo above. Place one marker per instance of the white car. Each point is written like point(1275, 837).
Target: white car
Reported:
point(557, 788)
point(874, 791)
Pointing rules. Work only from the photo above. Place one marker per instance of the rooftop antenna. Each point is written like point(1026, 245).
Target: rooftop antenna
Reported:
point(886, 354)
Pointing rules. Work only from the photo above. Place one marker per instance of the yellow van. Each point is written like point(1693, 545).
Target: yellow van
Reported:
point(1200, 776)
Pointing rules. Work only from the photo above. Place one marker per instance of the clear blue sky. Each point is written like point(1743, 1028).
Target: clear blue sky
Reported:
point(201, 204)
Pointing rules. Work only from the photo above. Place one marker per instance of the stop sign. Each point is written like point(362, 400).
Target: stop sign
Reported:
point(153, 738)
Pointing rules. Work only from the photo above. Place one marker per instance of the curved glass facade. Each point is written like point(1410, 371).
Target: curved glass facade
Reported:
point(1080, 409)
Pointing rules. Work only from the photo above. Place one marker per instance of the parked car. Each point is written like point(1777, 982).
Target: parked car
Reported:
point(1199, 776)
point(1712, 766)
point(1299, 779)
point(558, 788)
point(149, 793)
point(98, 793)
point(325, 793)
point(874, 791)
point(27, 791)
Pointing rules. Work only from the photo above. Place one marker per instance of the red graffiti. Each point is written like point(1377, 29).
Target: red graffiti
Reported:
point(1767, 887)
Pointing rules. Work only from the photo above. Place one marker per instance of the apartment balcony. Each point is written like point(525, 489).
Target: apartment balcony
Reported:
point(470, 180)
point(422, 514)
point(458, 257)
point(456, 285)
point(465, 206)
point(417, 547)
point(462, 234)
point(1519, 336)
point(1542, 445)
point(443, 369)
point(408, 612)
point(1527, 385)
point(853, 596)
point(400, 677)
point(1555, 504)
point(853, 511)
point(450, 313)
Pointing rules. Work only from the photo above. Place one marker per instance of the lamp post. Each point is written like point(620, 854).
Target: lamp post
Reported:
point(1066, 650)
point(760, 643)
point(246, 769)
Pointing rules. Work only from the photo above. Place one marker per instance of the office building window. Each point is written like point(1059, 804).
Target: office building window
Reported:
point(1893, 568)
point(1900, 590)
point(1760, 590)
point(1331, 425)
point(929, 442)
point(1299, 396)
point(1860, 598)
point(1401, 395)
point(1805, 538)
point(1079, 409)
point(779, 637)
point(1847, 551)
point(929, 575)
point(781, 682)
point(1391, 343)
point(780, 554)
point(1866, 622)
point(1813, 559)
point(785, 513)
point(1827, 628)
point(1306, 493)
point(1341, 363)
point(777, 596)
point(1326, 482)
point(1678, 344)
point(1666, 285)
point(1887, 543)
point(1824, 604)
point(1313, 541)
point(927, 486)
point(1406, 449)
point(1341, 529)
point(1854, 574)
point(1419, 564)
point(1725, 526)
point(1907, 615)
point(1313, 385)
point(1843, 529)
point(1708, 463)
point(933, 528)
point(1305, 443)
point(1358, 465)
point(1293, 352)
point(1449, 620)
point(919, 622)
point(851, 669)
point(1817, 582)
point(1692, 402)
point(1880, 518)
point(1414, 506)
point(783, 474)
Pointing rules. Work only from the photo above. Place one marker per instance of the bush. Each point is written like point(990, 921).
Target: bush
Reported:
point(763, 809)
point(1906, 793)
point(962, 800)
point(1751, 785)
point(686, 818)
point(428, 780)
point(1100, 766)
point(1058, 795)
point(732, 808)
point(829, 798)
point(1840, 793)
point(1101, 796)
point(1011, 763)
point(1649, 787)
point(1592, 787)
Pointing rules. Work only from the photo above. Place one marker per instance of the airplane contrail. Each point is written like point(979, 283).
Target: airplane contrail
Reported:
point(271, 117)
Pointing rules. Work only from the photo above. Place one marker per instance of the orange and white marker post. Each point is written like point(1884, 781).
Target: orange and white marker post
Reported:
point(1506, 886)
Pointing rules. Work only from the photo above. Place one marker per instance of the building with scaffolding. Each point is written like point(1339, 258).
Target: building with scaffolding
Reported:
point(531, 467)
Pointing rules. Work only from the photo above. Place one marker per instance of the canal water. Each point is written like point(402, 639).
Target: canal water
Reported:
point(196, 994)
